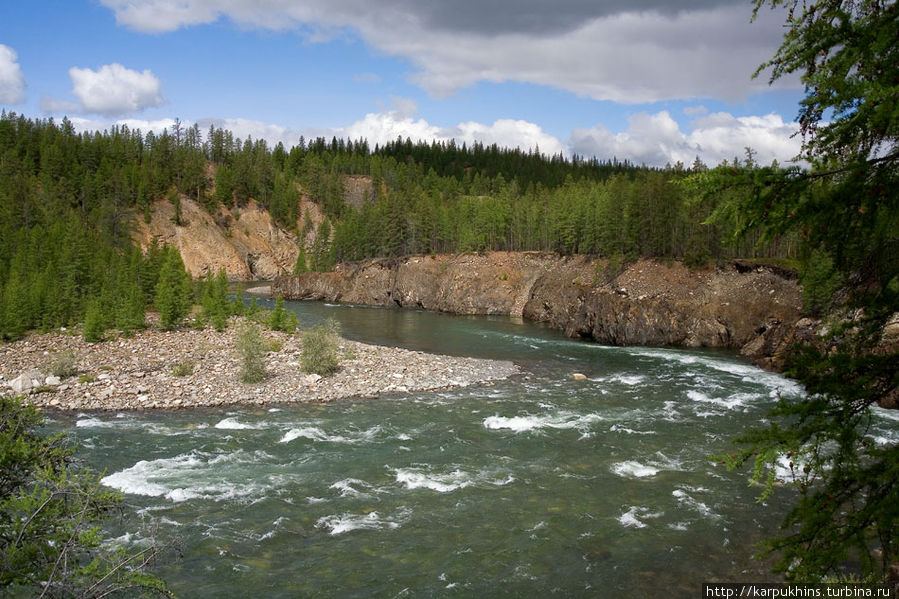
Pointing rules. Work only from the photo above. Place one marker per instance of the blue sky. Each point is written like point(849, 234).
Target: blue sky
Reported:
point(652, 81)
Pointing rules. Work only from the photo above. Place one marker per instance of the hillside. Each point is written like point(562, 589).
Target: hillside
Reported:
point(245, 242)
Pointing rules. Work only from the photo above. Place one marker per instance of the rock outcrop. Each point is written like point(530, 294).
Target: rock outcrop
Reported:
point(740, 306)
point(245, 242)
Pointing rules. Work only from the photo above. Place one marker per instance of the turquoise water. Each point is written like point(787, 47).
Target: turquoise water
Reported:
point(536, 486)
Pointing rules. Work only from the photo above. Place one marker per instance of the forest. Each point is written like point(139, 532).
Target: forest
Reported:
point(68, 201)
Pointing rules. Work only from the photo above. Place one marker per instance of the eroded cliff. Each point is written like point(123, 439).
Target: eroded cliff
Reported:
point(748, 307)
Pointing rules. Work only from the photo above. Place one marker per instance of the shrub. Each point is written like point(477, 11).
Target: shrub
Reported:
point(251, 348)
point(50, 517)
point(183, 368)
point(64, 364)
point(319, 354)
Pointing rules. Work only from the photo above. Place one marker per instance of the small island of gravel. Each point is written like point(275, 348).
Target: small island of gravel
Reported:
point(199, 368)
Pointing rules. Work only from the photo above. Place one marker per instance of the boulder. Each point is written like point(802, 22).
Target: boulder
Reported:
point(27, 381)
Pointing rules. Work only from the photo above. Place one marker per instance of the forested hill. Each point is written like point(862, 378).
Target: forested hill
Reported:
point(69, 203)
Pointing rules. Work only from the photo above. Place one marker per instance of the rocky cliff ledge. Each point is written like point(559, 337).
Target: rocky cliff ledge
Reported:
point(742, 306)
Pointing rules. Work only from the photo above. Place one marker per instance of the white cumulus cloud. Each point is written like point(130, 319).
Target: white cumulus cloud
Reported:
point(651, 139)
point(112, 90)
point(657, 139)
point(12, 81)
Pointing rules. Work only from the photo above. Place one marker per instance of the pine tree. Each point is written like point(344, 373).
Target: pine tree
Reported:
point(215, 304)
point(280, 319)
point(94, 321)
point(301, 264)
point(174, 296)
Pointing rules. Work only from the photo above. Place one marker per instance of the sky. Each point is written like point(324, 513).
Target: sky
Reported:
point(650, 81)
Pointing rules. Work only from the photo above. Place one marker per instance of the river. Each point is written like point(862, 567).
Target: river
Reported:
point(540, 485)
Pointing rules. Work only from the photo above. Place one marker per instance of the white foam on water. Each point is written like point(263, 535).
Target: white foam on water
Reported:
point(96, 423)
point(632, 469)
point(694, 504)
point(775, 383)
point(314, 433)
point(631, 518)
point(309, 432)
point(885, 414)
point(189, 476)
point(420, 478)
point(561, 420)
point(629, 380)
point(617, 428)
point(732, 402)
point(338, 524)
point(231, 423)
point(347, 488)
point(635, 469)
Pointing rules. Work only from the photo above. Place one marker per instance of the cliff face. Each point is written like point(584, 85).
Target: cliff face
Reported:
point(245, 241)
point(647, 303)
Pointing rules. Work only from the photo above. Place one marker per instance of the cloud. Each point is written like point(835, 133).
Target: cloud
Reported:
point(112, 90)
point(651, 139)
point(12, 81)
point(621, 50)
point(656, 139)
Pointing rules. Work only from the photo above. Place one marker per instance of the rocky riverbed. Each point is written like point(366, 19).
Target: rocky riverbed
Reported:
point(192, 368)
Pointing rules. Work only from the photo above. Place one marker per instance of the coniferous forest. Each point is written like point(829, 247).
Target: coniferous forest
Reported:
point(68, 202)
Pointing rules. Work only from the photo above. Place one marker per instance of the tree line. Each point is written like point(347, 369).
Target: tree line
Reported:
point(68, 202)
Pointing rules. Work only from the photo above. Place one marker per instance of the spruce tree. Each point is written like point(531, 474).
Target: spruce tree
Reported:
point(174, 296)
point(302, 264)
point(94, 321)
point(215, 304)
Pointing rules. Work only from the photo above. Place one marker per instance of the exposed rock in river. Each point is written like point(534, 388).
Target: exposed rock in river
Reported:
point(740, 306)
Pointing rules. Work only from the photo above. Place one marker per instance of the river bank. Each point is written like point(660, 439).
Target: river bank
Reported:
point(749, 307)
point(199, 368)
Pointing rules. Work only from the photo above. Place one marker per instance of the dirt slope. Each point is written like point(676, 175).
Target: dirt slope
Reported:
point(244, 241)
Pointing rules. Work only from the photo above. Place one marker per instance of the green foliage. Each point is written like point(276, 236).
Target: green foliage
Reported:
point(251, 347)
point(320, 350)
point(63, 364)
point(302, 263)
point(174, 296)
point(281, 319)
point(94, 322)
point(820, 283)
point(50, 541)
point(844, 210)
point(216, 307)
point(184, 368)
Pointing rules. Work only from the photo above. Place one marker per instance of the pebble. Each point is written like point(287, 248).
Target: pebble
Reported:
point(151, 356)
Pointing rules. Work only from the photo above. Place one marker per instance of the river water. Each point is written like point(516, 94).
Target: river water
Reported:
point(540, 485)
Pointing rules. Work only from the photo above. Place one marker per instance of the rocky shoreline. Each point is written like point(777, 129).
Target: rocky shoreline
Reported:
point(744, 306)
point(189, 368)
